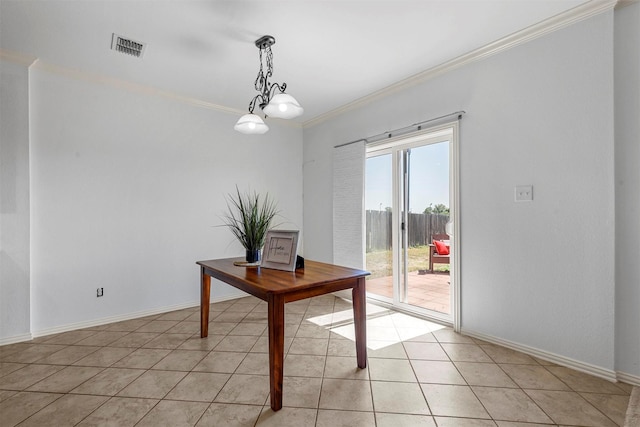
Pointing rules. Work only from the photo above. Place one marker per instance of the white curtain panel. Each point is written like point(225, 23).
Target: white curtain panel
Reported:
point(348, 204)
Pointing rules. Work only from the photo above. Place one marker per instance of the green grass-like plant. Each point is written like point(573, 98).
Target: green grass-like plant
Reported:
point(249, 218)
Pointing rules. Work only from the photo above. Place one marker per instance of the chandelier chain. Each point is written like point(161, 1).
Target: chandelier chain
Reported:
point(265, 89)
point(262, 84)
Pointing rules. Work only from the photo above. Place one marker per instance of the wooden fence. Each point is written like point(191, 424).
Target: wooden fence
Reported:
point(420, 227)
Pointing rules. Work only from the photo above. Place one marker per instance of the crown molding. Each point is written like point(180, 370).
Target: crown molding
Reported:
point(131, 87)
point(17, 58)
point(75, 74)
point(31, 61)
point(557, 22)
point(624, 3)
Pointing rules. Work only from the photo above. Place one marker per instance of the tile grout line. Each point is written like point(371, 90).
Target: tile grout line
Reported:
point(466, 381)
point(523, 389)
point(577, 392)
point(324, 369)
point(404, 349)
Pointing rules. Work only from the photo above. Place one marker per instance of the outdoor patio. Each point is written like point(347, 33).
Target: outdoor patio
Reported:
point(430, 290)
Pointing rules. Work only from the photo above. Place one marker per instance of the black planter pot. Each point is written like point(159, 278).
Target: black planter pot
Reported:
point(253, 256)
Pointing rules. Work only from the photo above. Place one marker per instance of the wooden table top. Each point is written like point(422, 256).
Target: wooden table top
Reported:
point(263, 281)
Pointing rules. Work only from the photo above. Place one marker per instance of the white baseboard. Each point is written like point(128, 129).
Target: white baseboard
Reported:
point(112, 319)
point(629, 379)
point(16, 338)
point(587, 368)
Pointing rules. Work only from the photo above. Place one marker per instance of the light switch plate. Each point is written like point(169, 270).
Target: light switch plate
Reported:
point(524, 193)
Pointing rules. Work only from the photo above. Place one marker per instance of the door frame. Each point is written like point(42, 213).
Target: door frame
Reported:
point(408, 141)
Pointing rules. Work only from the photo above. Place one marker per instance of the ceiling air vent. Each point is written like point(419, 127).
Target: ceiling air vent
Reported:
point(128, 46)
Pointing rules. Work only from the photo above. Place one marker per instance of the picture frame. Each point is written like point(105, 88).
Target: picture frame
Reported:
point(280, 250)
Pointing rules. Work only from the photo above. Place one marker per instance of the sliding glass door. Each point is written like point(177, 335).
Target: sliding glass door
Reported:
point(426, 214)
point(379, 235)
point(409, 202)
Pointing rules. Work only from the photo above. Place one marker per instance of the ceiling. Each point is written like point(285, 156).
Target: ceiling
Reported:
point(329, 52)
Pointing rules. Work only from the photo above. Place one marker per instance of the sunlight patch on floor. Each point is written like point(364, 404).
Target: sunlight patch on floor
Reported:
point(384, 327)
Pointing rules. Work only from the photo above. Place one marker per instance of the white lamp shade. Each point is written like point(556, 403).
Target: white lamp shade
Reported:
point(283, 106)
point(251, 124)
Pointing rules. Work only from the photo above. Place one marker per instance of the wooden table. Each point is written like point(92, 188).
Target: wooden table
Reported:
point(279, 287)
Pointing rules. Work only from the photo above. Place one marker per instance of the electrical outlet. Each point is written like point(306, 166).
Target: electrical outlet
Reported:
point(524, 193)
point(100, 292)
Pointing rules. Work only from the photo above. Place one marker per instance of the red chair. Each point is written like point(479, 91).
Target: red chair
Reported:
point(434, 256)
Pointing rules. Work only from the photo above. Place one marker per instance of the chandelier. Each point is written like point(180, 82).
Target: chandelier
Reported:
point(272, 104)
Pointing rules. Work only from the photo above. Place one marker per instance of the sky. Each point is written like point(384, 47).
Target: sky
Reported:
point(428, 180)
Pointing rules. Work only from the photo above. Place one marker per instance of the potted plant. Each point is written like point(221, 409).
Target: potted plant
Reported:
point(249, 217)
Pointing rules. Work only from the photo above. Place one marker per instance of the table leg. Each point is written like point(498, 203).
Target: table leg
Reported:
point(276, 349)
point(360, 321)
point(205, 295)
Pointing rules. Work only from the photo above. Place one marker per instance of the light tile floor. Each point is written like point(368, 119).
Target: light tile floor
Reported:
point(156, 371)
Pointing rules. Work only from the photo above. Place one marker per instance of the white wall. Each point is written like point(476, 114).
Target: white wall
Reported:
point(14, 200)
point(537, 274)
point(126, 192)
point(627, 157)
